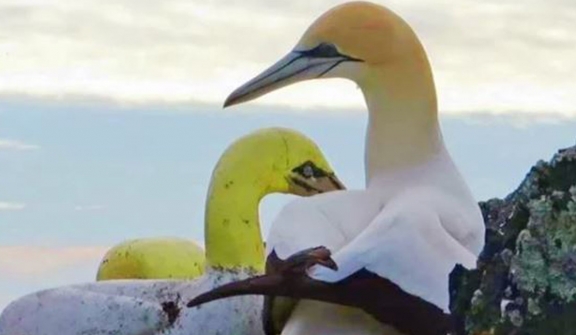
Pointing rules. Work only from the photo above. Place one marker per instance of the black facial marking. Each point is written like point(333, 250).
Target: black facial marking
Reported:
point(322, 50)
point(327, 50)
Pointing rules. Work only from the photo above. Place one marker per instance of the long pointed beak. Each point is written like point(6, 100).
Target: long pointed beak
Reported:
point(294, 67)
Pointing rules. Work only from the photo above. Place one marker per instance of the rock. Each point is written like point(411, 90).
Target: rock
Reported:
point(525, 283)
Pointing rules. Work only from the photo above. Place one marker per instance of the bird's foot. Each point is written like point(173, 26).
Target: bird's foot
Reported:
point(284, 280)
point(300, 262)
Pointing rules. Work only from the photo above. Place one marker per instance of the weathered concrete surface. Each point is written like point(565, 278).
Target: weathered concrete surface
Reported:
point(526, 279)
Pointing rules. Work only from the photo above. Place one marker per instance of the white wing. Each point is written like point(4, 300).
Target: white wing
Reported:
point(329, 219)
point(408, 244)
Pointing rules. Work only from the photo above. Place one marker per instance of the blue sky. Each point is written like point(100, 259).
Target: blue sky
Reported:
point(110, 122)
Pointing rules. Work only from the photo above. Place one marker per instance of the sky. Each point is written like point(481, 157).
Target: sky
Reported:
point(111, 118)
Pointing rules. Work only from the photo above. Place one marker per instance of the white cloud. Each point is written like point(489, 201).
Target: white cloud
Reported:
point(6, 144)
point(493, 55)
point(26, 261)
point(11, 206)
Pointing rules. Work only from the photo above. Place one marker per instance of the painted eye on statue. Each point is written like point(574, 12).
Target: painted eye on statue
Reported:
point(309, 170)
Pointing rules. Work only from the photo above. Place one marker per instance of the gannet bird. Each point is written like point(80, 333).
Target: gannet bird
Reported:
point(152, 258)
point(393, 244)
point(263, 162)
point(159, 258)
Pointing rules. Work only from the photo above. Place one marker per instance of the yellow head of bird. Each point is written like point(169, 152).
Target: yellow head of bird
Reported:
point(279, 160)
point(352, 41)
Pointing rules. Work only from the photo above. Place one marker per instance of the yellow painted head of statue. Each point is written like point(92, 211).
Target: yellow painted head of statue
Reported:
point(271, 160)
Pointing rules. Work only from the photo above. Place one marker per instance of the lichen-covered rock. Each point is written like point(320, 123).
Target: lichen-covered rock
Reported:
point(525, 283)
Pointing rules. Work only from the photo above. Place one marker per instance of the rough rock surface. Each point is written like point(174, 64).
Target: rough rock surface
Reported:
point(526, 280)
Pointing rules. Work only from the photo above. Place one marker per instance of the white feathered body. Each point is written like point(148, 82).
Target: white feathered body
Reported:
point(410, 226)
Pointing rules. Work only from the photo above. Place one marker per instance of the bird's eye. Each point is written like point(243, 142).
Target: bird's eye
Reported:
point(322, 50)
point(327, 50)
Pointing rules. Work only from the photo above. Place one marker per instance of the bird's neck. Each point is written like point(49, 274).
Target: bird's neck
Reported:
point(232, 226)
point(403, 130)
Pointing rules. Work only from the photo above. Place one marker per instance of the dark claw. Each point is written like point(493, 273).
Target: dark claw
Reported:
point(298, 263)
point(290, 272)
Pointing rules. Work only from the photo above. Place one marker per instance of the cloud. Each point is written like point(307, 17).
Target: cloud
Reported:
point(487, 55)
point(11, 206)
point(6, 144)
point(26, 261)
